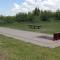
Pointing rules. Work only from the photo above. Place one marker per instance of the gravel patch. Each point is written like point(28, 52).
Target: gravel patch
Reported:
point(40, 39)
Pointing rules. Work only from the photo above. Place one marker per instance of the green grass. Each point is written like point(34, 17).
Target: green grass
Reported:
point(47, 27)
point(12, 49)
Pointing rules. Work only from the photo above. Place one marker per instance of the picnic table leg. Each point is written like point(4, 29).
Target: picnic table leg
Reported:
point(38, 27)
point(34, 27)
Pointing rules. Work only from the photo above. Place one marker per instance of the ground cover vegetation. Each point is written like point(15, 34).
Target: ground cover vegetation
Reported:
point(13, 49)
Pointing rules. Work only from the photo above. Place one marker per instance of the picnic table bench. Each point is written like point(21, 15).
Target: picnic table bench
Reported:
point(34, 26)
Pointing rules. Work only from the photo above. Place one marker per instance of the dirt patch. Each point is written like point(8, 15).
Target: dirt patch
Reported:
point(3, 54)
point(2, 57)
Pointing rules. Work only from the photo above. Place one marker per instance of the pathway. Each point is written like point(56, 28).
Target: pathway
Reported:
point(31, 37)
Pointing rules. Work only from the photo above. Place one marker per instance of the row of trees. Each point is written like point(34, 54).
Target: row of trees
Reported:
point(35, 16)
point(38, 15)
point(7, 19)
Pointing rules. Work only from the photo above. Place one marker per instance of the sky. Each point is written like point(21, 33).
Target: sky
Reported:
point(12, 7)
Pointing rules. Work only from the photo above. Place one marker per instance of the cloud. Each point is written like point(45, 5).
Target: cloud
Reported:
point(29, 5)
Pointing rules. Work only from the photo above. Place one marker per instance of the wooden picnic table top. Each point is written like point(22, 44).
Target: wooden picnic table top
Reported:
point(34, 25)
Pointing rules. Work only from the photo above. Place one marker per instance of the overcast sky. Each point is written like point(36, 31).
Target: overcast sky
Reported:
point(11, 7)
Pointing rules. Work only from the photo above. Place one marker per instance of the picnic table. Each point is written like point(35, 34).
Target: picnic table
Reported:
point(34, 26)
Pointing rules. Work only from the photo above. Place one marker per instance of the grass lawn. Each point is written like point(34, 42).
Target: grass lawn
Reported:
point(47, 27)
point(12, 49)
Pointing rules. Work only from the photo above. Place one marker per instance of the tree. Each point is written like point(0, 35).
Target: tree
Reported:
point(21, 17)
point(2, 19)
point(45, 15)
point(57, 15)
point(9, 19)
point(30, 17)
point(36, 12)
